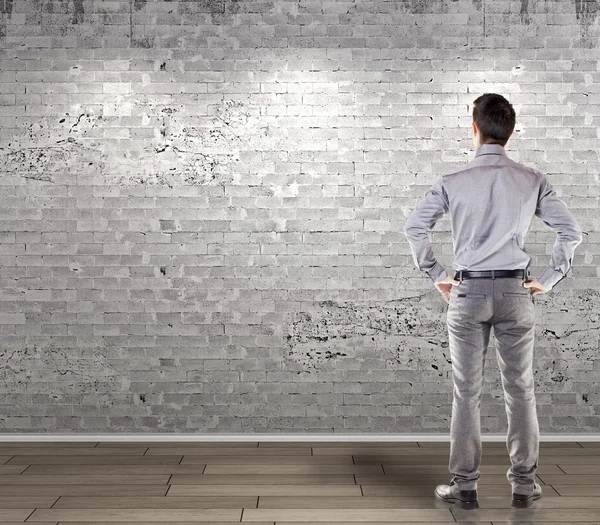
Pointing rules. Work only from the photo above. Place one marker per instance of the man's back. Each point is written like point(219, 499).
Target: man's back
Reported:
point(492, 200)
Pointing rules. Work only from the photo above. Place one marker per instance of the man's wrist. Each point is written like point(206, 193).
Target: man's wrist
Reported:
point(437, 273)
point(549, 277)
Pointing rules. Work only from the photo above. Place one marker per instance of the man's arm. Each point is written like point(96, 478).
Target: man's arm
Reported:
point(423, 218)
point(553, 211)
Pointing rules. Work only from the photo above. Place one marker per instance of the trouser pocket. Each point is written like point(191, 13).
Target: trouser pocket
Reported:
point(528, 295)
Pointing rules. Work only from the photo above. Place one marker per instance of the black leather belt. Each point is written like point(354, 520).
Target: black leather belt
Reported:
point(491, 274)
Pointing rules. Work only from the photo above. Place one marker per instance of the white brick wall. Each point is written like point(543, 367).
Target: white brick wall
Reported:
point(201, 210)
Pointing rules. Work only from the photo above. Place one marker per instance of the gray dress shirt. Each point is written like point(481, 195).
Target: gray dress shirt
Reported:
point(492, 200)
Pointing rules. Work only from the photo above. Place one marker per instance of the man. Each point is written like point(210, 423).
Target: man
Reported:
point(492, 200)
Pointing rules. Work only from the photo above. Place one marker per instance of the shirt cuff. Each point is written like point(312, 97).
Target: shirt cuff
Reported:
point(437, 273)
point(550, 277)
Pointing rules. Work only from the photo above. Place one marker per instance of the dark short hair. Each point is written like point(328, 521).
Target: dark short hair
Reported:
point(495, 118)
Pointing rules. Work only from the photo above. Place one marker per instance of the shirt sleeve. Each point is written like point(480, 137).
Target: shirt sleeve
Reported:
point(422, 218)
point(554, 213)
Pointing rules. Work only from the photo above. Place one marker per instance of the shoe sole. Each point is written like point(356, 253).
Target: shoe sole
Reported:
point(465, 504)
point(522, 500)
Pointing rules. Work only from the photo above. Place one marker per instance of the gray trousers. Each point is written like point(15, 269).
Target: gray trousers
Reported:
point(475, 306)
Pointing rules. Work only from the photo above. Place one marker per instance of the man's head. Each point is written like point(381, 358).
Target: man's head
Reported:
point(493, 120)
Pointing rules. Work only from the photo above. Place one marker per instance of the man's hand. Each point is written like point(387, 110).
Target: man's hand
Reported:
point(536, 286)
point(445, 286)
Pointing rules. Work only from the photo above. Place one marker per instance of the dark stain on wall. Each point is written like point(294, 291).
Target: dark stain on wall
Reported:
point(419, 7)
point(6, 7)
point(139, 4)
point(146, 42)
point(213, 6)
point(233, 6)
point(524, 13)
point(586, 11)
point(79, 14)
point(478, 4)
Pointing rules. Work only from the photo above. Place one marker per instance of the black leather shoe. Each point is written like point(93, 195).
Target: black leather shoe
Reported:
point(465, 499)
point(525, 500)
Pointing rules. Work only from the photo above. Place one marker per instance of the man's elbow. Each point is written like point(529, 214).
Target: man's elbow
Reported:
point(412, 229)
point(569, 231)
point(575, 236)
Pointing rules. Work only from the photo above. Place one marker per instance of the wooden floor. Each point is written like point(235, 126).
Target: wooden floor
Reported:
point(268, 483)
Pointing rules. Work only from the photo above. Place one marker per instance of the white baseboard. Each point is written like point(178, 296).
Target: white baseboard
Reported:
point(342, 438)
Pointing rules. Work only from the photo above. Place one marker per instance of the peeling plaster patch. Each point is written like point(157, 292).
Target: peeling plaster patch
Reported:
point(53, 150)
point(338, 330)
point(580, 339)
point(186, 154)
point(57, 150)
point(59, 370)
point(478, 4)
point(410, 326)
point(564, 342)
point(139, 4)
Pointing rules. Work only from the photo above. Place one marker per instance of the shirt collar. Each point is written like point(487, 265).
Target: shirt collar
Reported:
point(490, 149)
